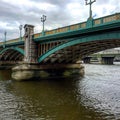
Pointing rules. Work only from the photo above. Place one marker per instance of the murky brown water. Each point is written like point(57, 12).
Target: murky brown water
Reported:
point(94, 97)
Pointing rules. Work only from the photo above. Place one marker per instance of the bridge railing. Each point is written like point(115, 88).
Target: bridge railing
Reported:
point(11, 41)
point(98, 21)
point(63, 29)
point(107, 19)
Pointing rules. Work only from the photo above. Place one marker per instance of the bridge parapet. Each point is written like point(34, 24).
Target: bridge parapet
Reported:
point(93, 22)
point(82, 25)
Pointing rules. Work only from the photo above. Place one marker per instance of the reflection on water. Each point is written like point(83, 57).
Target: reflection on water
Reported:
point(96, 96)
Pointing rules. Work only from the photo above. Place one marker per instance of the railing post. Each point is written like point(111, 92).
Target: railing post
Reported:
point(90, 21)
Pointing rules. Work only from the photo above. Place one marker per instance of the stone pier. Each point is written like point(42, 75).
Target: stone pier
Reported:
point(30, 71)
point(107, 60)
point(87, 59)
point(30, 48)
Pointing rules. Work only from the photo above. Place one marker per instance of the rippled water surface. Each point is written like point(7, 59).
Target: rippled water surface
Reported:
point(96, 96)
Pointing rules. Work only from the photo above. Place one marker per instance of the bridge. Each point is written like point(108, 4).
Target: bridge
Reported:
point(62, 48)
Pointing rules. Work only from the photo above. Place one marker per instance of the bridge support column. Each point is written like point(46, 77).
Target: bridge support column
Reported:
point(86, 60)
point(107, 60)
point(30, 46)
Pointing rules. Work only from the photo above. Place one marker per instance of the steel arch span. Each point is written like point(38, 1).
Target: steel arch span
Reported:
point(13, 48)
point(82, 47)
point(11, 53)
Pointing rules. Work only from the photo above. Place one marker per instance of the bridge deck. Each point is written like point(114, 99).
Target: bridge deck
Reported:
point(97, 22)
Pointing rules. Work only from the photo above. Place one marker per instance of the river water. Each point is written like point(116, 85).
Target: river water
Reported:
point(96, 96)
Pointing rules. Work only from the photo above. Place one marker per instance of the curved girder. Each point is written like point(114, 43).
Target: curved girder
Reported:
point(75, 53)
point(98, 37)
point(11, 54)
point(13, 48)
point(19, 57)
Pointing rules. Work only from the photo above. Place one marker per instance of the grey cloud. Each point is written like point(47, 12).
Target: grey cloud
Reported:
point(61, 3)
point(100, 2)
point(8, 12)
point(15, 15)
point(58, 17)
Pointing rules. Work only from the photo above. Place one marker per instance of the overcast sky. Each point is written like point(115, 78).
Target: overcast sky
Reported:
point(59, 13)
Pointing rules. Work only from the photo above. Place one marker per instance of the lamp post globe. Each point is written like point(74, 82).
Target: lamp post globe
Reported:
point(5, 33)
point(43, 19)
point(90, 10)
point(20, 28)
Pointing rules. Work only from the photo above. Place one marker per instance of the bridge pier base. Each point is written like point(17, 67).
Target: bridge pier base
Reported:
point(31, 71)
point(86, 60)
point(107, 60)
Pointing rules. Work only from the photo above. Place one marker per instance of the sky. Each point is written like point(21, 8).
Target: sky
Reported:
point(14, 13)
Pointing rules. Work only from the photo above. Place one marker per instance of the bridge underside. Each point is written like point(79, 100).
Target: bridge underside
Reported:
point(70, 54)
point(74, 53)
point(11, 55)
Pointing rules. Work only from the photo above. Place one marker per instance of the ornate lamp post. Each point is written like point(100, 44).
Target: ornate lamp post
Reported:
point(43, 19)
point(90, 3)
point(20, 28)
point(5, 33)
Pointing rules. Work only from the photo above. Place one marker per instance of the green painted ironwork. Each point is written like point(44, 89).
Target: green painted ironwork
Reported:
point(110, 19)
point(99, 29)
point(97, 37)
point(78, 33)
point(13, 48)
point(10, 44)
point(90, 23)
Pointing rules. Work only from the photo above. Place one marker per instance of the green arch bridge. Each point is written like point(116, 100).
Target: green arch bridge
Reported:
point(63, 46)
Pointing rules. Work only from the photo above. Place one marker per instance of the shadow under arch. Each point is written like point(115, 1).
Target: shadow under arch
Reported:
point(13, 48)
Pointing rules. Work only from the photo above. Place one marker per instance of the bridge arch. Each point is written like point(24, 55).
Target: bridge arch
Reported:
point(11, 53)
point(95, 43)
point(13, 48)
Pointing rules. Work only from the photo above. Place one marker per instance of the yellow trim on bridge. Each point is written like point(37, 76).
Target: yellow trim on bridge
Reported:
point(98, 21)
